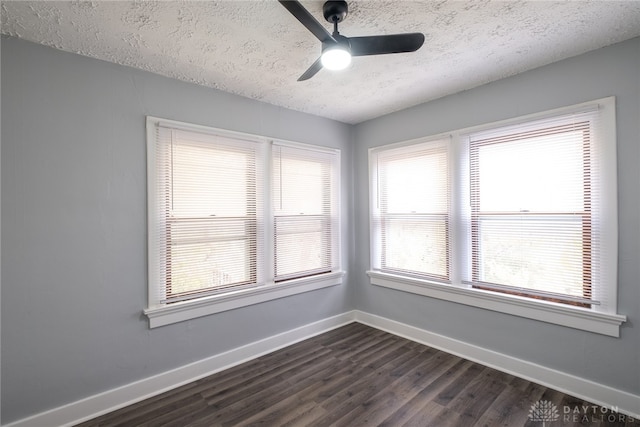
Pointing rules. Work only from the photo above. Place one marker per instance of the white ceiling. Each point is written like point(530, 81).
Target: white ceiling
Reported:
point(258, 50)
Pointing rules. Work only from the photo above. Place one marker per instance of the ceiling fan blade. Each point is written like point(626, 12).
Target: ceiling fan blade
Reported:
point(307, 20)
point(311, 71)
point(393, 43)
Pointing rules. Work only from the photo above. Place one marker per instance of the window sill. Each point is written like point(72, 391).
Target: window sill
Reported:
point(181, 311)
point(559, 314)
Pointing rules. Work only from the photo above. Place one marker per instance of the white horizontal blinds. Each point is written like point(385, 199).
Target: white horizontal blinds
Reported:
point(533, 188)
point(210, 200)
point(305, 205)
point(412, 220)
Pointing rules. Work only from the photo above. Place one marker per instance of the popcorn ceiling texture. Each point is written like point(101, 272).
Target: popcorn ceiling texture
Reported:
point(258, 50)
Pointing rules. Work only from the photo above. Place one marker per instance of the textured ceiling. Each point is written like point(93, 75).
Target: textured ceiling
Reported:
point(258, 50)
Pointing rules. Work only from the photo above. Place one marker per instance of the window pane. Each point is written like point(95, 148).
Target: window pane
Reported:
point(302, 245)
point(211, 214)
point(531, 209)
point(412, 210)
point(210, 252)
point(534, 174)
point(415, 184)
point(543, 255)
point(211, 181)
point(301, 186)
point(304, 200)
point(415, 245)
point(202, 266)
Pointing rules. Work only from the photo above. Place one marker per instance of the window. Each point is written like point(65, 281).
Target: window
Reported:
point(518, 217)
point(218, 201)
point(210, 200)
point(304, 205)
point(412, 216)
point(534, 192)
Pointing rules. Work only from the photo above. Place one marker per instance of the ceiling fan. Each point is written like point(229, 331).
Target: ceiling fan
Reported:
point(337, 49)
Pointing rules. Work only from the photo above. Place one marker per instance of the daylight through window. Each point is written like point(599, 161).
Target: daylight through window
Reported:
point(230, 214)
point(525, 208)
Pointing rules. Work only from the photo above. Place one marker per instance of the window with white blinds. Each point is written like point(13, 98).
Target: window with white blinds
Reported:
point(305, 190)
point(512, 217)
point(411, 216)
point(535, 195)
point(234, 215)
point(209, 214)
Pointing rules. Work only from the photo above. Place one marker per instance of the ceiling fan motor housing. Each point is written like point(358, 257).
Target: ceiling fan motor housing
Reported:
point(335, 11)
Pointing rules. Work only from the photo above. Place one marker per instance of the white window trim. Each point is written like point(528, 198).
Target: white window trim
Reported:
point(550, 312)
point(592, 320)
point(185, 310)
point(165, 314)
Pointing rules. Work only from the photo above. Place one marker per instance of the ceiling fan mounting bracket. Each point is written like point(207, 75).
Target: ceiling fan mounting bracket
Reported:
point(335, 11)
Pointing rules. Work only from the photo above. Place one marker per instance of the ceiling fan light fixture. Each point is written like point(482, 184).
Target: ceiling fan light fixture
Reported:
point(335, 58)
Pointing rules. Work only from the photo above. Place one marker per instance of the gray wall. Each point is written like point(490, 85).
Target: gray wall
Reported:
point(74, 226)
point(610, 71)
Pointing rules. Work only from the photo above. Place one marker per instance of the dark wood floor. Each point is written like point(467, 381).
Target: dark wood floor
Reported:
point(358, 376)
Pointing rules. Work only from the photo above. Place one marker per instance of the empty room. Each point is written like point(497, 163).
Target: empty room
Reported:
point(311, 213)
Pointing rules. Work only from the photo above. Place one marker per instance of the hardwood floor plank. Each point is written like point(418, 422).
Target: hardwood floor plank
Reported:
point(429, 386)
point(277, 413)
point(478, 395)
point(421, 417)
point(519, 383)
point(248, 386)
point(371, 349)
point(453, 389)
point(405, 382)
point(272, 396)
point(260, 396)
point(370, 381)
point(166, 413)
point(355, 376)
point(444, 418)
point(307, 418)
point(352, 334)
point(511, 407)
point(388, 399)
point(145, 410)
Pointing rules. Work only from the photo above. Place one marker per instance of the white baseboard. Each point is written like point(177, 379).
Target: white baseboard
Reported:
point(626, 403)
point(112, 400)
point(102, 403)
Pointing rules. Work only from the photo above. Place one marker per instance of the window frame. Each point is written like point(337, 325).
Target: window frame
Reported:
point(599, 319)
point(382, 217)
point(252, 223)
point(583, 217)
point(265, 289)
point(329, 206)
